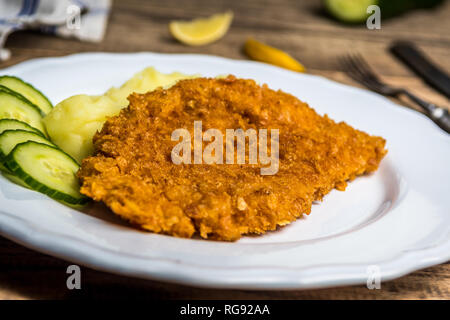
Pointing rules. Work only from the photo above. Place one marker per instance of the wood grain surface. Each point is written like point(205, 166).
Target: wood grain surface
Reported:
point(299, 27)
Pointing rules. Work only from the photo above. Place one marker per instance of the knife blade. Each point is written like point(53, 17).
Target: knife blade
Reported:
point(408, 53)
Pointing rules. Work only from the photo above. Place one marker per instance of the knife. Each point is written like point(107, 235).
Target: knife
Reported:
point(416, 60)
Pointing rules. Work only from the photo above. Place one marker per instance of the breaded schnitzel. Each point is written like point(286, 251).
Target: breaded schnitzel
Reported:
point(132, 172)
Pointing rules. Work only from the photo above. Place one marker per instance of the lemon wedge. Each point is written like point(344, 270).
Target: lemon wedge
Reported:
point(262, 52)
point(203, 30)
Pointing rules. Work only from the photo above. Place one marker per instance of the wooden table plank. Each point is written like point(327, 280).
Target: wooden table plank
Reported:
point(299, 27)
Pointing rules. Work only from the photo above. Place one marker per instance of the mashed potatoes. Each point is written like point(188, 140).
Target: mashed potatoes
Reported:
point(73, 122)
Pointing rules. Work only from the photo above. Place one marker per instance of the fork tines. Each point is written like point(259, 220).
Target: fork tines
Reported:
point(359, 70)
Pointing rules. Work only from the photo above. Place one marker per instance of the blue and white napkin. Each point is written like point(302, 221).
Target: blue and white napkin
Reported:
point(83, 19)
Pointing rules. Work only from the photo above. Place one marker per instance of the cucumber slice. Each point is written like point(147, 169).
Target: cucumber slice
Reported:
point(14, 179)
point(3, 88)
point(10, 138)
point(4, 169)
point(12, 106)
point(350, 11)
point(48, 170)
point(28, 91)
point(13, 124)
point(8, 90)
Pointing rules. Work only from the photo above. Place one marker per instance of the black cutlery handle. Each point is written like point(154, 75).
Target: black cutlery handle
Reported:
point(409, 54)
point(442, 118)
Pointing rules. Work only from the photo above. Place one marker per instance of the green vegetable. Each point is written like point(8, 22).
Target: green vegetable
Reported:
point(13, 106)
point(28, 91)
point(13, 124)
point(8, 175)
point(10, 138)
point(46, 169)
point(350, 11)
point(355, 11)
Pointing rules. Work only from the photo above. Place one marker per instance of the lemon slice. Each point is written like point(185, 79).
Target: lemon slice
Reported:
point(201, 31)
point(264, 53)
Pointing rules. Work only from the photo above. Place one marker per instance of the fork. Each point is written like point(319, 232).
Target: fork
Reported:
point(359, 70)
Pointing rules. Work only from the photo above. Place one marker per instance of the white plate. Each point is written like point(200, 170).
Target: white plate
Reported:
point(396, 219)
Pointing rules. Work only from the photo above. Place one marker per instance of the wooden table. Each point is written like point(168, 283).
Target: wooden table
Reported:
point(299, 27)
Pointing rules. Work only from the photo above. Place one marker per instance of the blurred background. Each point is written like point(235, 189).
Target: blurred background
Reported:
point(302, 28)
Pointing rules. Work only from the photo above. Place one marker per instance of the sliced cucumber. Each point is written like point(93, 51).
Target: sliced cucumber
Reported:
point(8, 90)
point(4, 169)
point(12, 106)
point(14, 179)
point(13, 124)
point(10, 138)
point(28, 91)
point(48, 170)
point(3, 88)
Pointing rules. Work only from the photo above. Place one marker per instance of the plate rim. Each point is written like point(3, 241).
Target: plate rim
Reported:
point(86, 254)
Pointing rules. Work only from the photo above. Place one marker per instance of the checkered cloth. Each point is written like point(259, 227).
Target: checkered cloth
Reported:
point(82, 19)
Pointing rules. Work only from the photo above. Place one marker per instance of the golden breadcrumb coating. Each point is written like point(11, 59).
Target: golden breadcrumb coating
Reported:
point(133, 174)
